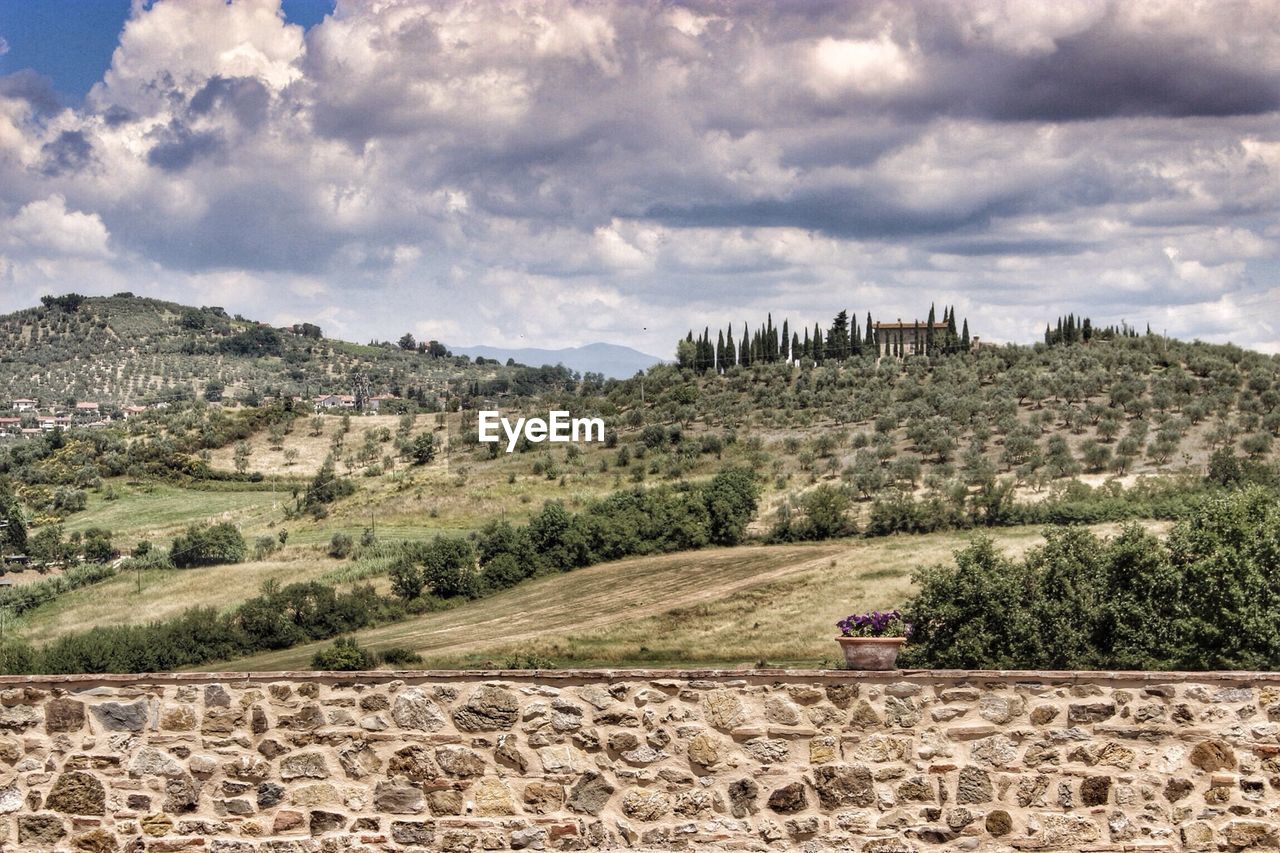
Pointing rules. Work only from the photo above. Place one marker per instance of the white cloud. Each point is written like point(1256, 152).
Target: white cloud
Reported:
point(47, 227)
point(553, 172)
point(875, 66)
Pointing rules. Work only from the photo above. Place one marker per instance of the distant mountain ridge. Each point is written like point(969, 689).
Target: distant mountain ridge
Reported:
point(613, 360)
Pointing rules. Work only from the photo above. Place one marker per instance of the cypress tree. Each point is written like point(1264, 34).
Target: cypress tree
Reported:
point(952, 338)
point(806, 348)
point(871, 342)
point(730, 354)
point(744, 349)
point(795, 344)
point(786, 342)
point(964, 336)
point(838, 338)
point(720, 350)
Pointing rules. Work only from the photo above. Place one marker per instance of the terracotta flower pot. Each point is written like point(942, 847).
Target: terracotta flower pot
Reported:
point(872, 653)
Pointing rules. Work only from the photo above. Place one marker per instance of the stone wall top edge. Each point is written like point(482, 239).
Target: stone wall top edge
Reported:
point(571, 676)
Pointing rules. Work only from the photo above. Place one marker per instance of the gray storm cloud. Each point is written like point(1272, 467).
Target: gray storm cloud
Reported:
point(555, 172)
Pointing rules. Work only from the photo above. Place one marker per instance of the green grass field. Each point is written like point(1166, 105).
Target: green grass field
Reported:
point(160, 510)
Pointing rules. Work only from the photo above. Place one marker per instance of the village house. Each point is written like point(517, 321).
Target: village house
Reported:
point(25, 405)
point(86, 407)
point(334, 401)
point(374, 404)
point(130, 411)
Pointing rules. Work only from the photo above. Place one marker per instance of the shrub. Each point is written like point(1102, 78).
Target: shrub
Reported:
point(67, 500)
point(504, 571)
point(343, 655)
point(152, 558)
point(325, 488)
point(423, 449)
point(208, 545)
point(96, 545)
point(399, 656)
point(264, 546)
point(1209, 598)
point(340, 546)
point(528, 660)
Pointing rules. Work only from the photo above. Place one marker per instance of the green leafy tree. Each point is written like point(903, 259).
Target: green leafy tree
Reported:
point(449, 567)
point(423, 449)
point(731, 498)
point(826, 513)
point(208, 545)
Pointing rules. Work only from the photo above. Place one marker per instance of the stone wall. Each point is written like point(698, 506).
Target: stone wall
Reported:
point(279, 763)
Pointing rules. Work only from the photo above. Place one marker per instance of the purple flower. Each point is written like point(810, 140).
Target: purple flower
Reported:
point(877, 623)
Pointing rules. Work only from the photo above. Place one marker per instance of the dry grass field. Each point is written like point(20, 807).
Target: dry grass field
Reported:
point(732, 606)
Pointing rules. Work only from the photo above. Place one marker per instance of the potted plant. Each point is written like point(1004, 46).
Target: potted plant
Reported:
point(872, 640)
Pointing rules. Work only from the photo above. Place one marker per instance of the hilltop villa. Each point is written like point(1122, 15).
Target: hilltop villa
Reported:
point(904, 338)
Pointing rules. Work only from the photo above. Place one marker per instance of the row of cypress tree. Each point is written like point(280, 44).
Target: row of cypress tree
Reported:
point(842, 340)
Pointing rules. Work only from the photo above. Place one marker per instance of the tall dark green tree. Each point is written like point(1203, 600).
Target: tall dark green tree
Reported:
point(13, 534)
point(837, 348)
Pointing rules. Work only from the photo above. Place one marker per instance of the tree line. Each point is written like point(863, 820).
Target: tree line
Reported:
point(1206, 598)
point(844, 339)
point(1073, 330)
point(628, 523)
point(423, 576)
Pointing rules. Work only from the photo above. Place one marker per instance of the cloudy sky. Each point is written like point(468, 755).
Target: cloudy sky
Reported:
point(555, 173)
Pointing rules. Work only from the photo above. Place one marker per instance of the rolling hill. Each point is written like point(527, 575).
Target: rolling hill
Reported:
point(126, 350)
point(1004, 436)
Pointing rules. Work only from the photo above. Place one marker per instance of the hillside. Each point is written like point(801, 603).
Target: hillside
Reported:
point(1009, 438)
point(127, 350)
point(758, 604)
